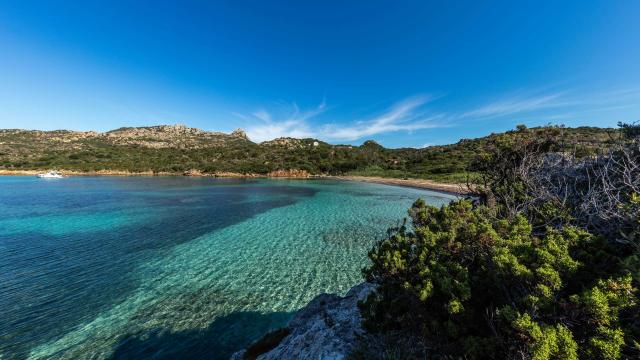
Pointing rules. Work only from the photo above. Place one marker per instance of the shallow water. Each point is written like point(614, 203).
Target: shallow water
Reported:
point(103, 267)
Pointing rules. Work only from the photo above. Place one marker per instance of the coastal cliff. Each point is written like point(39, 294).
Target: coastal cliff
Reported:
point(329, 327)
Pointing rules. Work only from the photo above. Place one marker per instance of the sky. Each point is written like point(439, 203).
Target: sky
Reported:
point(403, 73)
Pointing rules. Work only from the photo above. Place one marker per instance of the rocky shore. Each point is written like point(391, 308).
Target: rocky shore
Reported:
point(328, 328)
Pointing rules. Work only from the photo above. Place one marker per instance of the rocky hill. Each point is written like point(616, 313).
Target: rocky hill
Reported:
point(162, 136)
point(179, 149)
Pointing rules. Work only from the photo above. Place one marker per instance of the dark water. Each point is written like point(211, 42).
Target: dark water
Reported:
point(164, 267)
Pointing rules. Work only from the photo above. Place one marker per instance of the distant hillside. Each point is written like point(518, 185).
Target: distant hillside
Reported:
point(177, 149)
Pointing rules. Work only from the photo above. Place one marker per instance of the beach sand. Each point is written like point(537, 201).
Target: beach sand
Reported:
point(460, 189)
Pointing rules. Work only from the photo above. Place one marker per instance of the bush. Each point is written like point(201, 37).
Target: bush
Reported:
point(470, 284)
point(545, 266)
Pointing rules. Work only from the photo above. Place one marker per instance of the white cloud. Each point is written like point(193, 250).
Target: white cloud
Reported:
point(262, 115)
point(272, 130)
point(411, 114)
point(565, 105)
point(405, 115)
point(516, 105)
point(293, 123)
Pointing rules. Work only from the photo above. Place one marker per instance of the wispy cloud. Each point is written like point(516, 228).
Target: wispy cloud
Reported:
point(518, 104)
point(262, 115)
point(410, 114)
point(292, 123)
point(565, 104)
point(405, 115)
point(418, 113)
point(272, 130)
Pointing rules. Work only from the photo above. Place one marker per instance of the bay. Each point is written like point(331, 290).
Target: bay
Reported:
point(131, 267)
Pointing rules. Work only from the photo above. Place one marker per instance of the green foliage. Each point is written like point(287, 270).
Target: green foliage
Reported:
point(470, 282)
point(521, 274)
point(545, 341)
point(22, 150)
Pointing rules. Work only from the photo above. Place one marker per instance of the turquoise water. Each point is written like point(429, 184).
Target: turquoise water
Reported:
point(160, 267)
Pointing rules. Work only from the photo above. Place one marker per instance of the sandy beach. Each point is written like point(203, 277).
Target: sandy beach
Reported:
point(460, 189)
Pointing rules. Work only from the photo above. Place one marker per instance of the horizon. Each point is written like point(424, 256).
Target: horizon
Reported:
point(410, 75)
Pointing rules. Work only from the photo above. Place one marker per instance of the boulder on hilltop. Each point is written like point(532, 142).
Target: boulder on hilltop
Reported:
point(240, 133)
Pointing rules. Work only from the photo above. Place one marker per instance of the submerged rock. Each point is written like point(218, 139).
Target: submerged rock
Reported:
point(328, 328)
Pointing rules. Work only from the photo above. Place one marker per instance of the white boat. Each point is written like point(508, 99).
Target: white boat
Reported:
point(50, 175)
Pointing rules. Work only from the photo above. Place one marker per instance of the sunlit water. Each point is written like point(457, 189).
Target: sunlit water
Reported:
point(165, 267)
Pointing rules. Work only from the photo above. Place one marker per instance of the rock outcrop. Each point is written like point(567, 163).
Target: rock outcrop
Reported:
point(240, 133)
point(171, 136)
point(328, 328)
point(289, 173)
point(193, 172)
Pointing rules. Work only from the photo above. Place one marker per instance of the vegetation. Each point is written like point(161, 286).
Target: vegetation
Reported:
point(179, 149)
point(545, 266)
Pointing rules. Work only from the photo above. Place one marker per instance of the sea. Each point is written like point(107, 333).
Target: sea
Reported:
point(177, 267)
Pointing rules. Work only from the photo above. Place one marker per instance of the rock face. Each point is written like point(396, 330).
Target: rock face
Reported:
point(289, 173)
point(328, 328)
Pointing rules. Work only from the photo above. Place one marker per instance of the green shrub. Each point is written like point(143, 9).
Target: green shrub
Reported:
point(546, 266)
point(472, 283)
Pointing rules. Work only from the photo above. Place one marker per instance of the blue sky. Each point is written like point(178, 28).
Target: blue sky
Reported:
point(404, 73)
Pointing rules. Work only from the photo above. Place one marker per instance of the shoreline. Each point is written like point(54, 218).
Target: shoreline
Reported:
point(191, 173)
point(455, 189)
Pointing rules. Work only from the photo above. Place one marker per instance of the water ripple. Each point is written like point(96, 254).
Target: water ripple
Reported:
point(160, 267)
